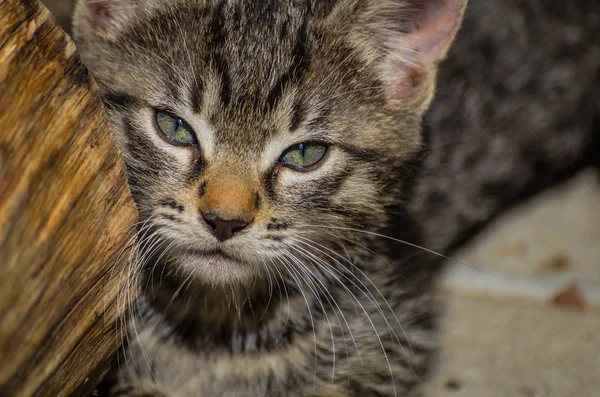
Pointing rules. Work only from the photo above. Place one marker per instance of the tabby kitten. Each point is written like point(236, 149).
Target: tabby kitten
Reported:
point(266, 145)
point(270, 145)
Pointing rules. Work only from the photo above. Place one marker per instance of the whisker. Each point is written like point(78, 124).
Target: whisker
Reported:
point(309, 274)
point(335, 304)
point(402, 242)
point(370, 296)
point(290, 271)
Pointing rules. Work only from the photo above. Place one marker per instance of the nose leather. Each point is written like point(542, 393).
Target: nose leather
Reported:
point(227, 202)
point(224, 229)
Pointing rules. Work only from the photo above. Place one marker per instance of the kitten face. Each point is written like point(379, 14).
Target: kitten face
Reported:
point(250, 82)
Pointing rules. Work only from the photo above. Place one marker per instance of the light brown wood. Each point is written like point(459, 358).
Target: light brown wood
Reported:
point(65, 212)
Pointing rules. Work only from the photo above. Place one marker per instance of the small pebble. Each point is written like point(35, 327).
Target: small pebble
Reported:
point(453, 385)
point(556, 263)
point(511, 249)
point(572, 298)
point(528, 391)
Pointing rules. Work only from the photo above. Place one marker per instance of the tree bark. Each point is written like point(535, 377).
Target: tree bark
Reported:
point(66, 215)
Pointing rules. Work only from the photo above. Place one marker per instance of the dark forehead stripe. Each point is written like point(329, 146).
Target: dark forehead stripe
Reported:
point(298, 116)
point(174, 84)
point(217, 61)
point(197, 95)
point(217, 25)
point(298, 67)
point(252, 41)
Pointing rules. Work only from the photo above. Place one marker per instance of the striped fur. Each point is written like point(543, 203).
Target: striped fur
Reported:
point(309, 300)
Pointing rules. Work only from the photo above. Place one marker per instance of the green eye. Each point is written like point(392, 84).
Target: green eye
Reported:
point(175, 128)
point(303, 156)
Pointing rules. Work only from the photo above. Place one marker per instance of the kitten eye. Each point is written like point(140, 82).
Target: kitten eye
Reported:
point(175, 128)
point(304, 156)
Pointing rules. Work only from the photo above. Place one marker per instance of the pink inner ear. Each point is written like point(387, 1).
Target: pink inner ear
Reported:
point(432, 24)
point(414, 55)
point(103, 12)
point(431, 39)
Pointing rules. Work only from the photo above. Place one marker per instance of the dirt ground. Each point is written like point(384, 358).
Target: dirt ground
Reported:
point(524, 301)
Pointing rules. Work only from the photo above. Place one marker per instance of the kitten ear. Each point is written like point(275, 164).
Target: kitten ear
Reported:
point(103, 18)
point(412, 56)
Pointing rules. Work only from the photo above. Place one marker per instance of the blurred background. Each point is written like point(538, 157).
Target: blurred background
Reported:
point(523, 298)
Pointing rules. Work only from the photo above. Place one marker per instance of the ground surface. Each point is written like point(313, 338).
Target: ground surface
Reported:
point(504, 333)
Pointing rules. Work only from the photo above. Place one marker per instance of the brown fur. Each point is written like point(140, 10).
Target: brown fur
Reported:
point(310, 300)
point(256, 77)
point(230, 196)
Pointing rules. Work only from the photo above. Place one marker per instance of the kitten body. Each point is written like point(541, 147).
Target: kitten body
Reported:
point(312, 299)
point(517, 109)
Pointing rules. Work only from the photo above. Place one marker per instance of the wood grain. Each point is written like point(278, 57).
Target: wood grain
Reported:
point(66, 213)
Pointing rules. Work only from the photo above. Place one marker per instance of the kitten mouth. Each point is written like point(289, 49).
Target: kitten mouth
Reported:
point(213, 254)
point(216, 253)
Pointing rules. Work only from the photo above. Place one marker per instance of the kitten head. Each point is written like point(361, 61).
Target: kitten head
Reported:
point(259, 134)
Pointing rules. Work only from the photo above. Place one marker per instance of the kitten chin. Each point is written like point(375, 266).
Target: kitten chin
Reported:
point(215, 269)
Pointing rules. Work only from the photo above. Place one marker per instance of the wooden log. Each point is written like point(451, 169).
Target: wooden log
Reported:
point(66, 213)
